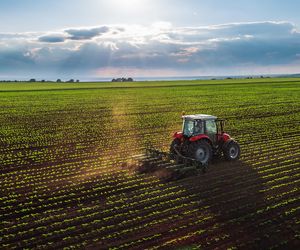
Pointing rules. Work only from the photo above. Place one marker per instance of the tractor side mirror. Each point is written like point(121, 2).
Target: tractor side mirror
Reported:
point(182, 114)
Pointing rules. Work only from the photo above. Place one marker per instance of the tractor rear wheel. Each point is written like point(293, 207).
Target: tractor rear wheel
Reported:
point(232, 151)
point(201, 151)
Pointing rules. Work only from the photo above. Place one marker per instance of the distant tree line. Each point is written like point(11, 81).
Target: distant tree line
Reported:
point(34, 80)
point(122, 79)
point(247, 77)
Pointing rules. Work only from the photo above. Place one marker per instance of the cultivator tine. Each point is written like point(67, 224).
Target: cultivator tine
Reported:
point(176, 162)
point(177, 159)
point(186, 162)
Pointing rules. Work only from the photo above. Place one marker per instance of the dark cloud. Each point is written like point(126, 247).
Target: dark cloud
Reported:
point(52, 39)
point(88, 56)
point(86, 34)
point(15, 60)
point(268, 30)
point(258, 29)
point(74, 34)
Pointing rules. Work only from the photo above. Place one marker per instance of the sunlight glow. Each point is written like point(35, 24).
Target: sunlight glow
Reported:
point(129, 6)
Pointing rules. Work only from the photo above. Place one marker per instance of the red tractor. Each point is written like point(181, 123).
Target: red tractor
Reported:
point(201, 138)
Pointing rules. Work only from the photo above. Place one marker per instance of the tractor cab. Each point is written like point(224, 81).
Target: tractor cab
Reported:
point(195, 125)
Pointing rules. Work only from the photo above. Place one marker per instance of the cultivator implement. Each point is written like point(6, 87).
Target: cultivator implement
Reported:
point(175, 166)
point(177, 158)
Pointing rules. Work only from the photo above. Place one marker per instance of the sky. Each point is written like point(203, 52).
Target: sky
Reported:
point(92, 39)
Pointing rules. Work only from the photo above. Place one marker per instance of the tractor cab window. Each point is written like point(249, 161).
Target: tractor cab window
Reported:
point(188, 128)
point(211, 127)
point(199, 129)
point(211, 130)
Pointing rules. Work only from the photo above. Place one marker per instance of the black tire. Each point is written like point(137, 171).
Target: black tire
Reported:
point(232, 151)
point(201, 151)
point(175, 143)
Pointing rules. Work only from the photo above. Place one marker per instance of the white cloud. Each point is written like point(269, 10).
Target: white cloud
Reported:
point(158, 47)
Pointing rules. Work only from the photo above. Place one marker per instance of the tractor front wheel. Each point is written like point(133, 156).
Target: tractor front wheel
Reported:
point(201, 151)
point(232, 151)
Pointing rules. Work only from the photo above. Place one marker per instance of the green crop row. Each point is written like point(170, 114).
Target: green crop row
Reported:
point(68, 166)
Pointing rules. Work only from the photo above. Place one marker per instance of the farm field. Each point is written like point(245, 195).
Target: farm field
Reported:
point(68, 173)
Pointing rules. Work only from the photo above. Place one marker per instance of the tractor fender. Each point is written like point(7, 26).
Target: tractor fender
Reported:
point(225, 137)
point(178, 135)
point(227, 143)
point(200, 137)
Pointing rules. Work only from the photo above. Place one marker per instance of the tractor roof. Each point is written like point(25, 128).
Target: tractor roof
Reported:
point(199, 117)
